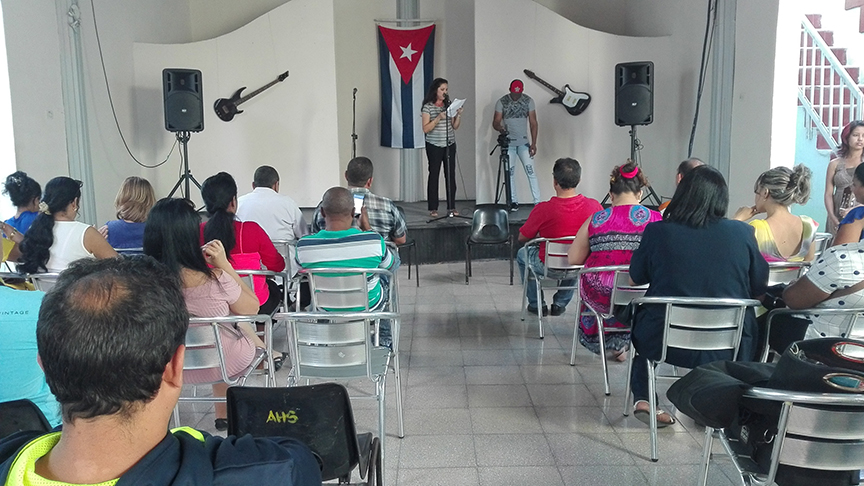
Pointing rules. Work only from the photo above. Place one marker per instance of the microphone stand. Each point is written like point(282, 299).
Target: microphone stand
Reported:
point(447, 175)
point(354, 125)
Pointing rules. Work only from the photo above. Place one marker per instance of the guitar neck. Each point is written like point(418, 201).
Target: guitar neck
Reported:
point(544, 83)
point(257, 92)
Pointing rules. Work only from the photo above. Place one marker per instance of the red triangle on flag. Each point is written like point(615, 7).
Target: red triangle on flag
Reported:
point(406, 47)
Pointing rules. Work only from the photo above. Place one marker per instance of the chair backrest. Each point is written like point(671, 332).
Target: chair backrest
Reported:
point(556, 254)
point(286, 248)
point(622, 292)
point(18, 415)
point(129, 251)
point(204, 343)
point(820, 242)
point(490, 224)
point(320, 416)
point(701, 324)
point(816, 431)
point(338, 289)
point(43, 281)
point(785, 272)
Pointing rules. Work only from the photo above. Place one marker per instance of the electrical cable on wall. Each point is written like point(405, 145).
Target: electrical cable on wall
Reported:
point(707, 43)
point(111, 99)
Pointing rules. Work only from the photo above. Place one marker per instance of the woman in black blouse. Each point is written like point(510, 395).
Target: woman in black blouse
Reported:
point(694, 252)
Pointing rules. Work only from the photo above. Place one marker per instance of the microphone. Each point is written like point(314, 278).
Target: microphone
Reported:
point(355, 91)
point(446, 100)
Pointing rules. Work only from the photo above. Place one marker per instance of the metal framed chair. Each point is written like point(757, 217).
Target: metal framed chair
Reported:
point(43, 281)
point(780, 273)
point(246, 276)
point(822, 241)
point(204, 352)
point(851, 319)
point(622, 294)
point(556, 268)
point(335, 346)
point(822, 431)
point(19, 415)
point(489, 226)
point(411, 247)
point(695, 324)
point(320, 416)
point(129, 251)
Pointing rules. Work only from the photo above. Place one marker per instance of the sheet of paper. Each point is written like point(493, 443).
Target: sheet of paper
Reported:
point(454, 106)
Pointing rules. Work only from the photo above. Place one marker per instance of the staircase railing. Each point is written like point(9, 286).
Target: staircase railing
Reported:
point(830, 96)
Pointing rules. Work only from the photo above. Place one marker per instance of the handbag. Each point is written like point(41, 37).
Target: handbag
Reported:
point(251, 261)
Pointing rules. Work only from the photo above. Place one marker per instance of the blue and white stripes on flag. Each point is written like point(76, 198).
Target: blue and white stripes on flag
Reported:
point(405, 61)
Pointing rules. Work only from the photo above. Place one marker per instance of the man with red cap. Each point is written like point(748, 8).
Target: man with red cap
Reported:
point(512, 112)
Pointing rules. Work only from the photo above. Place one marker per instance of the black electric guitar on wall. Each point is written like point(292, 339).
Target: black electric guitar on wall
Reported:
point(226, 108)
point(574, 102)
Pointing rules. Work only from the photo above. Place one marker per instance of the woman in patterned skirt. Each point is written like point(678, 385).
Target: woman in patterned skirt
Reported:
point(609, 238)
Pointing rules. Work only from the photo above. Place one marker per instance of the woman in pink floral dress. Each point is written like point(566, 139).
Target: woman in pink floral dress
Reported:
point(609, 238)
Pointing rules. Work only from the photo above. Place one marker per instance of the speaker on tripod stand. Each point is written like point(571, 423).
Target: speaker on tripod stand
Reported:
point(184, 113)
point(634, 105)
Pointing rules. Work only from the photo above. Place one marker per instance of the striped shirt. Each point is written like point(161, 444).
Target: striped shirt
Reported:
point(349, 248)
point(384, 217)
point(438, 135)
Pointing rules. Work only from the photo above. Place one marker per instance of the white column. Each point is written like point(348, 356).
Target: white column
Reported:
point(75, 105)
point(722, 83)
point(410, 174)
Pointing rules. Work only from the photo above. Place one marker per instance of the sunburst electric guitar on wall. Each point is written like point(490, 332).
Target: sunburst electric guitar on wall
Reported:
point(226, 108)
point(574, 102)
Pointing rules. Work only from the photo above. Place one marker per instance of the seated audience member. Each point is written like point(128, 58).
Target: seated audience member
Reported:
point(247, 245)
point(340, 245)
point(55, 239)
point(562, 215)
point(117, 390)
point(836, 280)
point(20, 374)
point(171, 236)
point(609, 237)
point(852, 227)
point(683, 168)
point(782, 236)
point(133, 202)
point(384, 217)
point(694, 252)
point(24, 192)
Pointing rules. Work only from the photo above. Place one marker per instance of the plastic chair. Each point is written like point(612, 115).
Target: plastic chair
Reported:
point(782, 273)
point(204, 352)
point(320, 416)
point(622, 294)
point(489, 226)
point(556, 268)
point(822, 431)
point(695, 324)
point(338, 346)
point(852, 329)
point(19, 415)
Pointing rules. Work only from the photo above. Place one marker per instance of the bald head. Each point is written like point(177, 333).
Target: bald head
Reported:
point(686, 166)
point(338, 202)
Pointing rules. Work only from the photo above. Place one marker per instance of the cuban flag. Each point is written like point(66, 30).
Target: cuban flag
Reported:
point(405, 60)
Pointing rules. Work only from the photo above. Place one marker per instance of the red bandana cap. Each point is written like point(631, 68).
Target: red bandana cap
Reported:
point(516, 86)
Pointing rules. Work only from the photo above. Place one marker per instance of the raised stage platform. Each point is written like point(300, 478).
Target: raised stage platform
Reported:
point(444, 240)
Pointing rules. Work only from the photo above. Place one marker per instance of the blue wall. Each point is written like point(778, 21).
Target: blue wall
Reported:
point(817, 160)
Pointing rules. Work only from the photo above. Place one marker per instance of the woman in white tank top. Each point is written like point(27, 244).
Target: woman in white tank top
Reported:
point(55, 239)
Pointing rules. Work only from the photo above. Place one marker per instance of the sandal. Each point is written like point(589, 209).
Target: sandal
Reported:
point(643, 416)
point(278, 361)
point(618, 355)
point(433, 214)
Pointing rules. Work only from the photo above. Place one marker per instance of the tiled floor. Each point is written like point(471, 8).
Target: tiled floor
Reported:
point(488, 403)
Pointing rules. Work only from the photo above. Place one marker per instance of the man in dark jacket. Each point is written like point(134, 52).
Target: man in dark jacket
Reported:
point(110, 338)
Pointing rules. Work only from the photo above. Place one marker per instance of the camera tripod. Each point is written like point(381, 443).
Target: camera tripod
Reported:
point(503, 166)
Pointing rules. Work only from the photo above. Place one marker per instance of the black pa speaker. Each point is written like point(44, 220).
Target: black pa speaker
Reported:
point(634, 93)
point(184, 104)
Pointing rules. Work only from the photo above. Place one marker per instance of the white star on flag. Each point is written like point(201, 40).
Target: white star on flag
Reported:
point(407, 52)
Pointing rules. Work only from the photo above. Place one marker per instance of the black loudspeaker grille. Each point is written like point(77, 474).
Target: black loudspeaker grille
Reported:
point(183, 100)
point(634, 93)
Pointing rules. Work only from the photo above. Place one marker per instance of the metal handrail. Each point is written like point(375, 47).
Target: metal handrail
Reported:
point(830, 130)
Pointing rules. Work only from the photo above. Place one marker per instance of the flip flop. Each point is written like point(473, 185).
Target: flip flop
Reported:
point(644, 417)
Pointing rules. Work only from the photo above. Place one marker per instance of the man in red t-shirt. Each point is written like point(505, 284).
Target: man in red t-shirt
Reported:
point(560, 216)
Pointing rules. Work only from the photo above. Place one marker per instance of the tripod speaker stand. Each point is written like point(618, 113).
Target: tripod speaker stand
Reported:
point(651, 194)
point(183, 138)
